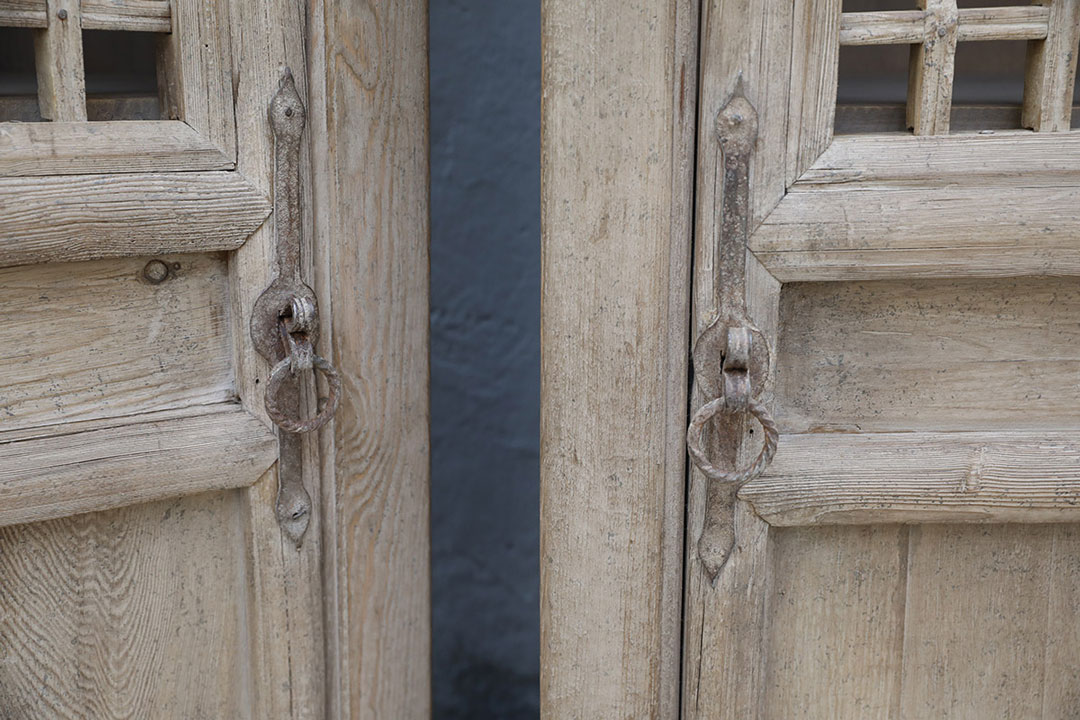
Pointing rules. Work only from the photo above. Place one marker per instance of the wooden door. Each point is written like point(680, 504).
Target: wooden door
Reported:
point(143, 569)
point(911, 552)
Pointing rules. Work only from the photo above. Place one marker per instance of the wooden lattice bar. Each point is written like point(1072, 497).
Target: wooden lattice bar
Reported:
point(931, 71)
point(59, 58)
point(912, 26)
point(132, 15)
point(1051, 70)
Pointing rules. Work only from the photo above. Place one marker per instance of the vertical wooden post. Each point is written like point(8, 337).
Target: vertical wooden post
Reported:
point(1051, 70)
point(618, 110)
point(59, 59)
point(369, 129)
point(930, 83)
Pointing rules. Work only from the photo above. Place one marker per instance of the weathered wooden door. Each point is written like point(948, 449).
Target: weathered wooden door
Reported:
point(911, 552)
point(149, 565)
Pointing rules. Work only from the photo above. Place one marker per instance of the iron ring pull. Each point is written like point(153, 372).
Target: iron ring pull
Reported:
point(694, 441)
point(285, 370)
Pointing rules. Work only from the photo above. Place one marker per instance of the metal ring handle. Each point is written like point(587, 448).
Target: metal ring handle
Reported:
point(282, 371)
point(694, 441)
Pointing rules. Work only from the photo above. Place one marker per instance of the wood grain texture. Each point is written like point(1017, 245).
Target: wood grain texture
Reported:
point(196, 71)
point(814, 65)
point(1051, 69)
point(910, 26)
point(945, 355)
point(930, 81)
point(976, 622)
point(617, 119)
point(82, 217)
point(836, 622)
point(97, 340)
point(882, 28)
point(58, 57)
point(127, 146)
point(852, 479)
point(24, 13)
point(880, 231)
point(132, 15)
point(75, 468)
point(975, 159)
point(286, 654)
point(1061, 667)
point(125, 614)
point(369, 128)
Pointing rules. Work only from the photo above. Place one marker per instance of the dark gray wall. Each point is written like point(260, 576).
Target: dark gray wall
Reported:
point(485, 371)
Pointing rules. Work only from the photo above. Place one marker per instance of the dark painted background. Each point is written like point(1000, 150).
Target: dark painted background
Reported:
point(485, 367)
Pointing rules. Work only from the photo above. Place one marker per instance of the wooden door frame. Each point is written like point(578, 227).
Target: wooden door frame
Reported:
point(368, 133)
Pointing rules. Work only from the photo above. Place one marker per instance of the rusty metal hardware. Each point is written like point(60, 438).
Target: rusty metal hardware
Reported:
point(285, 320)
point(731, 357)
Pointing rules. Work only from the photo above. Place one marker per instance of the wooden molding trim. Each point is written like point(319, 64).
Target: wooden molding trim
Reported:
point(81, 217)
point(59, 470)
point(921, 477)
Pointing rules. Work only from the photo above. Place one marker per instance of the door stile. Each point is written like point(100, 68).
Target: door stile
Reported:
point(783, 58)
point(284, 594)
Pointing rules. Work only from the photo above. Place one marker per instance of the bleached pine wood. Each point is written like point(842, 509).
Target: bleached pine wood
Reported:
point(1051, 69)
point(98, 465)
point(131, 613)
point(972, 159)
point(58, 57)
point(724, 649)
point(81, 217)
point(126, 146)
point(95, 339)
point(882, 28)
point(917, 355)
point(999, 229)
point(909, 26)
point(23, 13)
point(132, 15)
point(1062, 664)
point(195, 71)
point(835, 624)
point(852, 479)
point(617, 117)
point(1003, 23)
point(814, 66)
point(137, 15)
point(976, 622)
point(931, 71)
point(368, 124)
point(286, 655)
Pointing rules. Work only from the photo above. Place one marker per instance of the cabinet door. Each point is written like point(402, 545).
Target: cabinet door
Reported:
point(143, 569)
point(912, 550)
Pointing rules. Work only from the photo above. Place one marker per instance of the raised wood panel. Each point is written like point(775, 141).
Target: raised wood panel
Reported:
point(98, 340)
point(835, 629)
point(74, 468)
point(82, 217)
point(123, 146)
point(840, 478)
point(1000, 354)
point(126, 614)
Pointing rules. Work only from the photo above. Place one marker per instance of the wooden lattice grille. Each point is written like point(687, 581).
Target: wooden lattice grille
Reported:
point(58, 42)
point(1052, 30)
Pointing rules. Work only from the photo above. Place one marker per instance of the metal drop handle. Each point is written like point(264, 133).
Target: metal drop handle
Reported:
point(285, 320)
